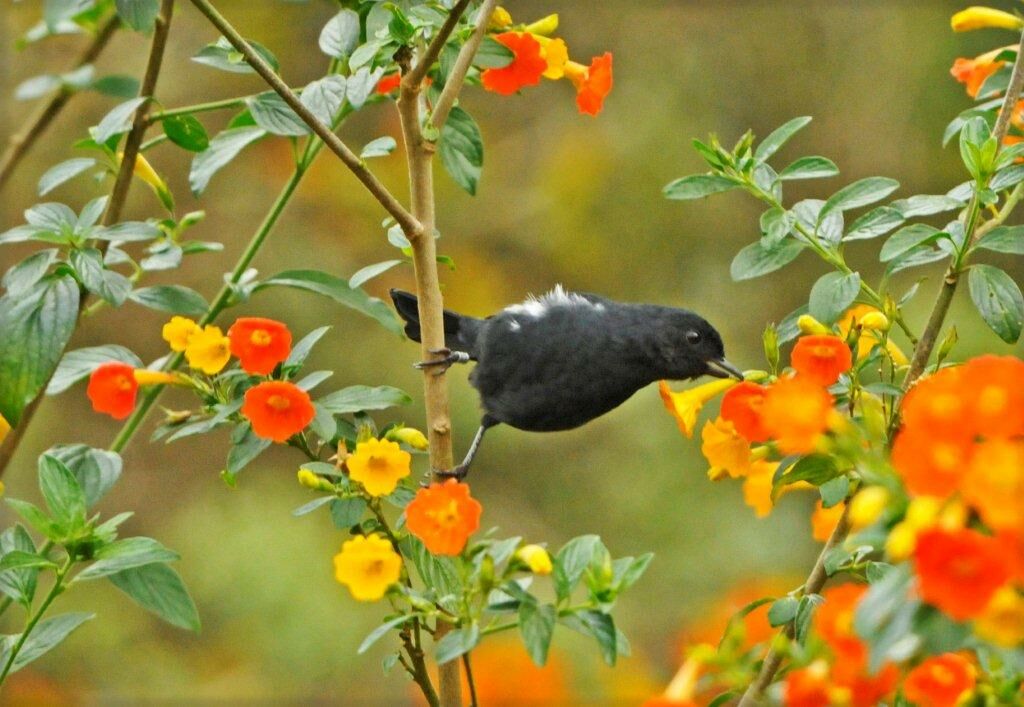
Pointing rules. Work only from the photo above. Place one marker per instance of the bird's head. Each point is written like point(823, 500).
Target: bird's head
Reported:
point(690, 347)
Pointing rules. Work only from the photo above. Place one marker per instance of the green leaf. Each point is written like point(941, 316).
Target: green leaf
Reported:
point(223, 148)
point(454, 643)
point(908, 238)
point(307, 508)
point(381, 147)
point(814, 469)
point(915, 257)
point(362, 397)
point(925, 205)
point(51, 216)
point(756, 260)
point(1006, 178)
point(175, 299)
point(696, 186)
point(492, 54)
point(186, 131)
point(275, 116)
point(779, 137)
point(860, 193)
point(245, 446)
point(324, 98)
point(572, 560)
point(37, 87)
point(537, 627)
point(437, 572)
point(875, 223)
point(19, 585)
point(804, 613)
point(125, 554)
point(1004, 239)
point(127, 231)
point(832, 295)
point(46, 636)
point(340, 36)
point(23, 276)
point(118, 120)
point(833, 492)
point(633, 569)
point(19, 559)
point(225, 57)
point(300, 351)
point(379, 632)
point(34, 329)
point(371, 271)
point(62, 493)
point(999, 301)
point(339, 290)
point(775, 224)
point(108, 285)
point(35, 517)
point(782, 611)
point(140, 15)
point(809, 168)
point(462, 149)
point(62, 172)
point(346, 512)
point(79, 364)
point(117, 85)
point(95, 470)
point(158, 588)
point(361, 84)
point(602, 628)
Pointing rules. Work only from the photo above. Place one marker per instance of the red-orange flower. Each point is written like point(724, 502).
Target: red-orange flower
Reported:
point(259, 344)
point(938, 404)
point(277, 409)
point(959, 571)
point(939, 681)
point(930, 464)
point(994, 483)
point(796, 412)
point(994, 389)
point(821, 358)
point(112, 389)
point(388, 83)
point(808, 687)
point(824, 520)
point(867, 690)
point(973, 72)
point(741, 405)
point(525, 69)
point(834, 621)
point(593, 83)
point(443, 516)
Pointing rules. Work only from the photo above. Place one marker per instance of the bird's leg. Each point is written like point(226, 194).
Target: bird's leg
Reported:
point(460, 471)
point(449, 357)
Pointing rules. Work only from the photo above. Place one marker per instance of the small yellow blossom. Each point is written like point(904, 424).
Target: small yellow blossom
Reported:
point(867, 506)
point(500, 19)
point(685, 404)
point(536, 558)
point(977, 17)
point(144, 376)
point(178, 331)
point(378, 464)
point(545, 26)
point(923, 512)
point(875, 321)
point(208, 350)
point(409, 435)
point(367, 565)
point(5, 427)
point(901, 541)
point(757, 487)
point(556, 54)
point(870, 320)
point(726, 450)
point(1003, 619)
point(310, 480)
point(811, 326)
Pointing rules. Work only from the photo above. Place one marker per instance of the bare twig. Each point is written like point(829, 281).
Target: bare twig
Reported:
point(419, 71)
point(410, 226)
point(19, 143)
point(453, 85)
point(117, 198)
point(815, 581)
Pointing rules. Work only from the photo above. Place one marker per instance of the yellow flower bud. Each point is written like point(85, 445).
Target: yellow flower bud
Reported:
point(953, 516)
point(147, 377)
point(809, 325)
point(5, 427)
point(1003, 619)
point(144, 171)
point(536, 558)
point(921, 512)
point(308, 479)
point(409, 435)
point(901, 541)
point(545, 26)
point(875, 321)
point(867, 506)
point(500, 19)
point(977, 17)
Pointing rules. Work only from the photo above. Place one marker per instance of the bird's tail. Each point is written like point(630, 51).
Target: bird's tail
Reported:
point(460, 331)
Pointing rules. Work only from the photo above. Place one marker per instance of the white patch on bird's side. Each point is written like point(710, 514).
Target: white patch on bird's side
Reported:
point(536, 307)
point(514, 325)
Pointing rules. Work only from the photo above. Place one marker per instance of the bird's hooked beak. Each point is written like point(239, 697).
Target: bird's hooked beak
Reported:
point(720, 368)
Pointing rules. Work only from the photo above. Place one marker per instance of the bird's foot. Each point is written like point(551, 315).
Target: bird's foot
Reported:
point(441, 475)
point(448, 358)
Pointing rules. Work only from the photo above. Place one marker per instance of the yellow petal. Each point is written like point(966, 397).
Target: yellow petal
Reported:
point(978, 17)
point(545, 26)
point(5, 427)
point(685, 404)
point(556, 54)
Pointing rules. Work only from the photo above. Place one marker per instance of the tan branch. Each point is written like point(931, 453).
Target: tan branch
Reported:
point(462, 63)
point(433, 50)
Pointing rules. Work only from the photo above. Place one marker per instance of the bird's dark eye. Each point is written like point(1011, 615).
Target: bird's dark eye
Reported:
point(693, 336)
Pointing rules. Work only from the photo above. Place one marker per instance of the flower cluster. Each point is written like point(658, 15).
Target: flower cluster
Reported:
point(276, 409)
point(537, 55)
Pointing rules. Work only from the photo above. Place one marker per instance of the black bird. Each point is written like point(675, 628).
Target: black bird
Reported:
point(558, 361)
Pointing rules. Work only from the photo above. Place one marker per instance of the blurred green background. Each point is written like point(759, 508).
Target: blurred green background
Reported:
point(564, 199)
